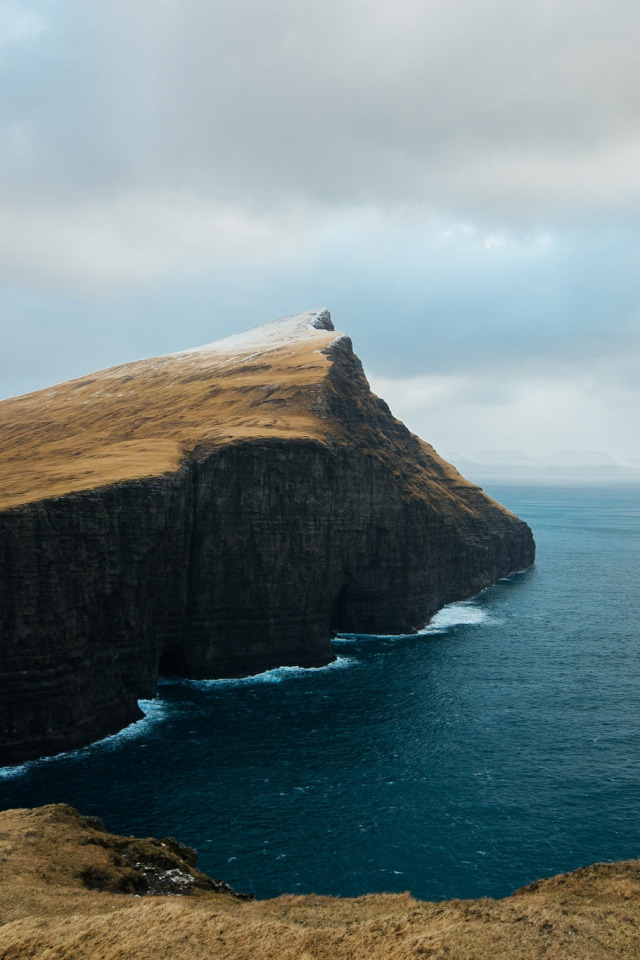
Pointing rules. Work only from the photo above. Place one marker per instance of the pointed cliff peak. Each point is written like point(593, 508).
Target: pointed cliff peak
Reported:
point(322, 320)
point(298, 328)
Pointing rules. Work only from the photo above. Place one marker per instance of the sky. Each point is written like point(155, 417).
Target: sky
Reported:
point(458, 182)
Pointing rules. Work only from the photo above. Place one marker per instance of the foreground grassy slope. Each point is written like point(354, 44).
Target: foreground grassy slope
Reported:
point(50, 858)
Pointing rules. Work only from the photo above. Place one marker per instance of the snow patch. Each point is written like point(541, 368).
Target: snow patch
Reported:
point(311, 325)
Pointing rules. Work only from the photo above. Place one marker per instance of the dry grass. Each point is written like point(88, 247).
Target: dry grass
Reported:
point(142, 419)
point(47, 912)
point(139, 419)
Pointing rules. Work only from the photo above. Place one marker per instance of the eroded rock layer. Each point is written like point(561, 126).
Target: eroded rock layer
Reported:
point(216, 513)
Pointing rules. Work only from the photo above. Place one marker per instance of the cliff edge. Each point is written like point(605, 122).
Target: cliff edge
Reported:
point(69, 889)
point(212, 513)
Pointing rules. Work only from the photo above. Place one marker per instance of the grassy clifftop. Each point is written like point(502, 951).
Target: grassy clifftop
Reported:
point(70, 890)
point(295, 378)
point(141, 418)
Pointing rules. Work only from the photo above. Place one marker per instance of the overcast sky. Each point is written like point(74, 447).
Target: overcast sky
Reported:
point(457, 180)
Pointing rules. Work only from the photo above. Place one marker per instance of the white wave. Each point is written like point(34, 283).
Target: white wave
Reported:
point(6, 773)
point(277, 675)
point(463, 613)
point(154, 711)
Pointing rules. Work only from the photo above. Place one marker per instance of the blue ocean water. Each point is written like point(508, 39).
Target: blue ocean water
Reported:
point(499, 746)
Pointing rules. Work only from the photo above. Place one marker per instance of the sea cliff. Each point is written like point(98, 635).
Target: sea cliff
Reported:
point(216, 513)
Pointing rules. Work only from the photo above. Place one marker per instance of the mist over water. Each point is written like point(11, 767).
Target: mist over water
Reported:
point(499, 745)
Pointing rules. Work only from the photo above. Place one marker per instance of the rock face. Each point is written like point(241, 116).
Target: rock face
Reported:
point(216, 513)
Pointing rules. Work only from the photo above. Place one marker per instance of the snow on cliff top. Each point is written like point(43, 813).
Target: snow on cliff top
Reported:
point(309, 325)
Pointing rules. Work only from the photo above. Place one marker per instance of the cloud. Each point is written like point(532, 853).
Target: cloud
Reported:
point(268, 121)
point(542, 414)
point(136, 238)
point(19, 23)
point(487, 109)
point(457, 181)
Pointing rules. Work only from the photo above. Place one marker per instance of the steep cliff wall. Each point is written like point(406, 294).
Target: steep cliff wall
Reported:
point(236, 505)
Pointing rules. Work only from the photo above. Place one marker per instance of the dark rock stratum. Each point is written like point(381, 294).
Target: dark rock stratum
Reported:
point(216, 513)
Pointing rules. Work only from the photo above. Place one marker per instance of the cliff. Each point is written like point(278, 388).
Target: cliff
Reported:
point(69, 889)
point(213, 513)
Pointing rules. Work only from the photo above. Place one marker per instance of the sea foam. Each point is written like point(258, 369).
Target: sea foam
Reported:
point(461, 613)
point(464, 613)
point(154, 712)
point(277, 675)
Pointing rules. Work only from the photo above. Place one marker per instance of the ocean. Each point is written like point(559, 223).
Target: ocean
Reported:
point(499, 745)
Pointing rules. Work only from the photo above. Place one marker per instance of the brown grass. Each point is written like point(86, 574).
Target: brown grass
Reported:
point(142, 419)
point(46, 911)
point(139, 419)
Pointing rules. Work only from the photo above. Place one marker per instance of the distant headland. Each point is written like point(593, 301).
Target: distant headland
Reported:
point(217, 512)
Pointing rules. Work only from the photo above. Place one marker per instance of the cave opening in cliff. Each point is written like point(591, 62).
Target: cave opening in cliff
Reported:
point(173, 663)
point(339, 610)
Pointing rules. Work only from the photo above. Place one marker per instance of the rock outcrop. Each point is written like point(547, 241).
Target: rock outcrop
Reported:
point(216, 513)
